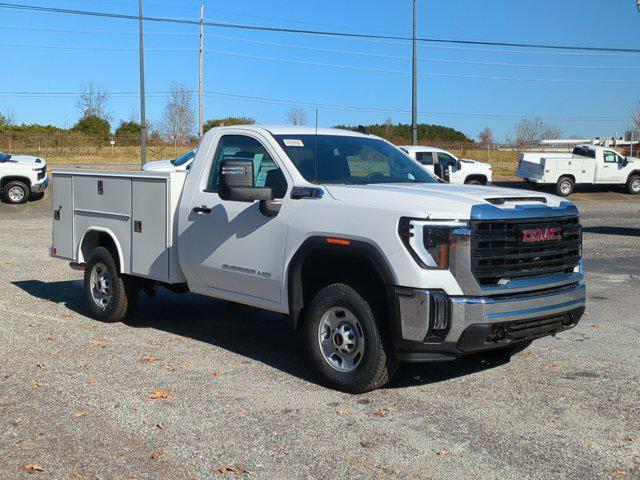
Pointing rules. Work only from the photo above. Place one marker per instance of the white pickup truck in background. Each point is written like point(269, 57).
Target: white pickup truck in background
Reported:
point(588, 164)
point(21, 176)
point(372, 258)
point(446, 166)
point(180, 164)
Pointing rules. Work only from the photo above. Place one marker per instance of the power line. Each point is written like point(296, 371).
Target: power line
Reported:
point(351, 67)
point(424, 74)
point(33, 8)
point(310, 104)
point(226, 12)
point(388, 42)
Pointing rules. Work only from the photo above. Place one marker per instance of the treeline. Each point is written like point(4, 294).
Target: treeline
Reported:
point(401, 133)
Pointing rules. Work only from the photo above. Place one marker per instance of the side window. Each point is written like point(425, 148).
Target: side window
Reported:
point(446, 159)
point(425, 158)
point(610, 157)
point(239, 147)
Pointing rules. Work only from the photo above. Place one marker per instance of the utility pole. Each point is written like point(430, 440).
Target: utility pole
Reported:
point(414, 90)
point(143, 115)
point(201, 68)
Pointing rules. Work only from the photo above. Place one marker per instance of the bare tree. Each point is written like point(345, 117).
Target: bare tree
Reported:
point(533, 131)
point(296, 116)
point(93, 101)
point(486, 137)
point(7, 119)
point(635, 118)
point(179, 117)
point(388, 126)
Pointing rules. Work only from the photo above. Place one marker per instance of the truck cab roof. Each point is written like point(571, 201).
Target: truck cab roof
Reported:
point(297, 130)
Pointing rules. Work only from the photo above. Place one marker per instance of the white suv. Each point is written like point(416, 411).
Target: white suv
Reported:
point(450, 168)
point(21, 176)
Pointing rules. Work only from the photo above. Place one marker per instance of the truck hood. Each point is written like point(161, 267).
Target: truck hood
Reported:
point(441, 200)
point(26, 160)
point(159, 166)
point(476, 163)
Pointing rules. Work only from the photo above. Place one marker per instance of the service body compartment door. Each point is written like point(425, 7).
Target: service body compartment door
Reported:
point(150, 253)
point(103, 204)
point(103, 194)
point(63, 216)
point(588, 172)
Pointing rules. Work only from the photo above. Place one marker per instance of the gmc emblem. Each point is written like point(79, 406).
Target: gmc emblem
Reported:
point(545, 234)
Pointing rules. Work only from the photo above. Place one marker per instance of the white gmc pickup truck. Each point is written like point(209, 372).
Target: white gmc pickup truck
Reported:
point(588, 164)
point(20, 176)
point(446, 166)
point(369, 255)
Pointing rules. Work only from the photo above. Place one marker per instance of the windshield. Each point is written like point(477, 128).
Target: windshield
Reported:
point(4, 157)
point(350, 160)
point(176, 162)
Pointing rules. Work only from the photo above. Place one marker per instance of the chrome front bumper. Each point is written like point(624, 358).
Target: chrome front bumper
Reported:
point(431, 321)
point(467, 311)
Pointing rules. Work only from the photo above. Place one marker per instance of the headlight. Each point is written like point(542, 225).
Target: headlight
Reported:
point(427, 241)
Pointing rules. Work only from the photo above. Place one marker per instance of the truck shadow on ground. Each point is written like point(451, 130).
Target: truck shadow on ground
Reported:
point(621, 231)
point(253, 333)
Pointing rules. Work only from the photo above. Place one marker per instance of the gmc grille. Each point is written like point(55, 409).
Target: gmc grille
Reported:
point(42, 173)
point(498, 252)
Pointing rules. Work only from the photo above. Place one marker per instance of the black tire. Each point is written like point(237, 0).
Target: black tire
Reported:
point(377, 363)
point(565, 186)
point(123, 291)
point(633, 185)
point(26, 192)
point(505, 354)
point(474, 182)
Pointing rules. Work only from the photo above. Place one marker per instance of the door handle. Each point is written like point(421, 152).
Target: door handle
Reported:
point(202, 210)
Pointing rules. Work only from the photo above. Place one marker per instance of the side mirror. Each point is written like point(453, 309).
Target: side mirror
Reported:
point(458, 165)
point(237, 182)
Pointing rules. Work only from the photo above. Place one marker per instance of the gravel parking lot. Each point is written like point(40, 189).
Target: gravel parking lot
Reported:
point(235, 396)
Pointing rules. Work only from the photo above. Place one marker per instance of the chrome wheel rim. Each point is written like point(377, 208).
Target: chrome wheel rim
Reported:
point(635, 186)
point(565, 188)
point(16, 194)
point(341, 339)
point(101, 285)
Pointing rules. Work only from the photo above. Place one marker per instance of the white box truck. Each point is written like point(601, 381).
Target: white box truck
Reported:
point(373, 259)
point(588, 164)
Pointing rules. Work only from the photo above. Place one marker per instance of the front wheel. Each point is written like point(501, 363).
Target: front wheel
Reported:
point(16, 192)
point(565, 186)
point(633, 185)
point(345, 342)
point(111, 296)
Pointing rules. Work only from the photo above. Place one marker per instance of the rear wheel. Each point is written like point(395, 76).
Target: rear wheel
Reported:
point(111, 296)
point(345, 342)
point(16, 192)
point(565, 186)
point(633, 185)
point(474, 181)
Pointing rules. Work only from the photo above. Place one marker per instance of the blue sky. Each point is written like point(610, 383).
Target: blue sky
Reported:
point(350, 72)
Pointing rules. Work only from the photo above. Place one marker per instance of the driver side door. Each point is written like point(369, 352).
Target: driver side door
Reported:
point(236, 251)
point(611, 168)
point(450, 163)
